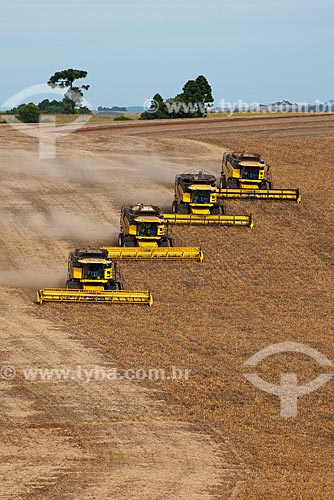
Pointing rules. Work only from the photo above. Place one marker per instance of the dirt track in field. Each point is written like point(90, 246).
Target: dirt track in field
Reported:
point(214, 436)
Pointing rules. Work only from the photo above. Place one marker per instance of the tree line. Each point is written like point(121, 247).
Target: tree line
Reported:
point(194, 100)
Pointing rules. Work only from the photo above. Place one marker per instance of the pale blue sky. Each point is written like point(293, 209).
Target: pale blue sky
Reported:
point(258, 51)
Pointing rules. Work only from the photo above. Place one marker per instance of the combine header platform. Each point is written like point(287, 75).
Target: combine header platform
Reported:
point(116, 297)
point(155, 253)
point(210, 220)
point(260, 194)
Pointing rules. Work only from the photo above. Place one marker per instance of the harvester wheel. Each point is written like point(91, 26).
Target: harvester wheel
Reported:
point(222, 184)
point(111, 286)
point(171, 241)
point(174, 207)
point(121, 240)
point(164, 243)
point(129, 241)
point(183, 209)
point(119, 285)
point(73, 285)
point(217, 210)
point(232, 184)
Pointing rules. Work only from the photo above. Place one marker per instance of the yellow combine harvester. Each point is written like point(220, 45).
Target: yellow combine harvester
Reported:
point(144, 236)
point(196, 202)
point(143, 226)
point(246, 175)
point(93, 277)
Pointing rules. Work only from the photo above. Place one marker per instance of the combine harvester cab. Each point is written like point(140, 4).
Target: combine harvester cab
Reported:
point(196, 203)
point(93, 277)
point(144, 236)
point(246, 175)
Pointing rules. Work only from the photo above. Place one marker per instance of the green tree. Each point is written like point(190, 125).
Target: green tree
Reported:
point(197, 95)
point(157, 110)
point(28, 113)
point(206, 89)
point(65, 80)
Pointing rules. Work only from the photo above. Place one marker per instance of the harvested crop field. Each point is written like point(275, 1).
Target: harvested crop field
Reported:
point(214, 436)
